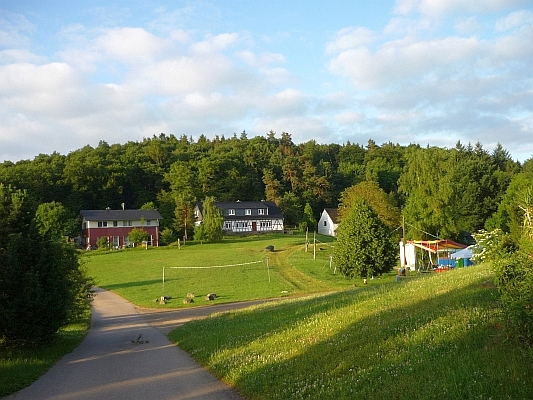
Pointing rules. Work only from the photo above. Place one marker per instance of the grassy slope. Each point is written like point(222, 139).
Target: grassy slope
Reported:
point(431, 336)
point(20, 367)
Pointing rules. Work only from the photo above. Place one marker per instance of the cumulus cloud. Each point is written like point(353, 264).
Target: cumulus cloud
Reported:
point(435, 72)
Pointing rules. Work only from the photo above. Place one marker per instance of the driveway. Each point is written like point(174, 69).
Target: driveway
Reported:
point(108, 365)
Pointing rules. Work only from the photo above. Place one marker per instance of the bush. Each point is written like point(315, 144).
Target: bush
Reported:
point(513, 268)
point(102, 243)
point(42, 285)
point(168, 236)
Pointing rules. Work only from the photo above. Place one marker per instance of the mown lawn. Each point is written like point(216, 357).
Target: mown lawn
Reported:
point(137, 274)
point(428, 336)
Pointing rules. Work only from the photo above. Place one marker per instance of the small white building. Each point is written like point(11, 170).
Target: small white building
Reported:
point(328, 223)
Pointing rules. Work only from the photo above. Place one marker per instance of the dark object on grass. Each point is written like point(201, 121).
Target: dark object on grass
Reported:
point(269, 248)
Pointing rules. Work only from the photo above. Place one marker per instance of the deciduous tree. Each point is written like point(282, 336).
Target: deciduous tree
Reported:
point(365, 246)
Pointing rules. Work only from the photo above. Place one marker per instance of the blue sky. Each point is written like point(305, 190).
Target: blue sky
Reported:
point(431, 72)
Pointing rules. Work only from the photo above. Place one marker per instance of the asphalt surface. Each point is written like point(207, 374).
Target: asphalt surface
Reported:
point(112, 364)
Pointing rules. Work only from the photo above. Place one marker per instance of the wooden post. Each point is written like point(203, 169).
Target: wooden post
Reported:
point(314, 245)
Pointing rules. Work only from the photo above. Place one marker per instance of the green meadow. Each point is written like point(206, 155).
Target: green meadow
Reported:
point(326, 337)
point(426, 337)
point(237, 269)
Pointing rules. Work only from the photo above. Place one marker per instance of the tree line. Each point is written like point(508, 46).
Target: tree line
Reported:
point(443, 192)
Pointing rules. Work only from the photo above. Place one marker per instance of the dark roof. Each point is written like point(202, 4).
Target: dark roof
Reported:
point(273, 209)
point(333, 214)
point(119, 215)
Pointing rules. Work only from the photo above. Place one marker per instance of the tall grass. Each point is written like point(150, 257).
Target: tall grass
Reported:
point(431, 336)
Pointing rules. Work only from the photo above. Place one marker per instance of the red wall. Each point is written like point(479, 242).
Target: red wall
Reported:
point(91, 235)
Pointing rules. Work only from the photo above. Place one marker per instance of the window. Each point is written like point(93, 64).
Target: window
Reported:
point(126, 223)
point(248, 211)
point(231, 211)
point(102, 224)
point(261, 211)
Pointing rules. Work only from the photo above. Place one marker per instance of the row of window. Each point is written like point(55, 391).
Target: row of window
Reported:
point(104, 224)
point(247, 211)
point(245, 224)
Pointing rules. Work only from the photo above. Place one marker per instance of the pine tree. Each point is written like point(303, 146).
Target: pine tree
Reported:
point(365, 246)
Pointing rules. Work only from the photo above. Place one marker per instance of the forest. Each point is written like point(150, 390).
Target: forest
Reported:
point(440, 192)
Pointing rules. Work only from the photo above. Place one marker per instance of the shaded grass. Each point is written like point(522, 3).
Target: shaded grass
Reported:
point(429, 336)
point(137, 274)
point(19, 367)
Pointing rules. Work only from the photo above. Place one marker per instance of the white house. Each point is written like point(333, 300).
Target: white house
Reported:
point(246, 216)
point(328, 223)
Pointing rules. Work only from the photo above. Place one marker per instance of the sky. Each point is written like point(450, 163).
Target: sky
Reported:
point(431, 72)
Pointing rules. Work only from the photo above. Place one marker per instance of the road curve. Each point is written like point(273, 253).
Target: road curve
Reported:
point(108, 365)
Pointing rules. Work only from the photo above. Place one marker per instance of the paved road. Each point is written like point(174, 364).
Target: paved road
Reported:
point(107, 365)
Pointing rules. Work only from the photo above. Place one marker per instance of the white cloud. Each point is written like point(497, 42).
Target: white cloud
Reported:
point(349, 38)
point(437, 8)
point(216, 43)
point(402, 59)
point(130, 45)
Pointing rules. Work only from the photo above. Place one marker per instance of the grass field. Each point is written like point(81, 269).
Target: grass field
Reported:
point(137, 274)
point(429, 336)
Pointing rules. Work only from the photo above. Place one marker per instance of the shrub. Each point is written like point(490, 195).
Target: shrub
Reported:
point(513, 268)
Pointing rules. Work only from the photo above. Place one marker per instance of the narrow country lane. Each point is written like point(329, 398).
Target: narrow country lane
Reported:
point(107, 365)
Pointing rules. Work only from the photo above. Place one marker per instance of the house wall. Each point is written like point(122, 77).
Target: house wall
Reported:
point(91, 235)
point(326, 225)
point(243, 226)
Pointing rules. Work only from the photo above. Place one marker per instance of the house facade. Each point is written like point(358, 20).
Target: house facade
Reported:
point(116, 225)
point(246, 216)
point(328, 222)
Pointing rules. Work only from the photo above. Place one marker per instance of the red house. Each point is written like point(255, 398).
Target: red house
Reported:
point(116, 225)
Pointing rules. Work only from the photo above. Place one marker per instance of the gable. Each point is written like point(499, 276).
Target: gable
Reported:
point(333, 214)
